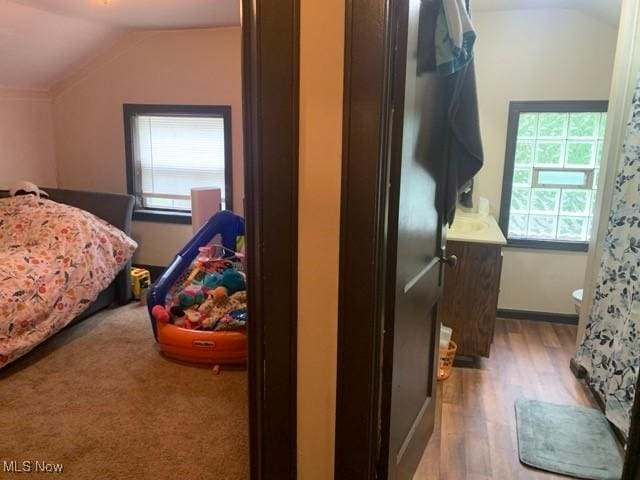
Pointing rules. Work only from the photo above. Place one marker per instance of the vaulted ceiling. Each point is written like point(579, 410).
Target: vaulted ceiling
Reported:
point(43, 40)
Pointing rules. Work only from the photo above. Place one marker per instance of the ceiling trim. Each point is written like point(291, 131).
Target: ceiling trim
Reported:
point(27, 94)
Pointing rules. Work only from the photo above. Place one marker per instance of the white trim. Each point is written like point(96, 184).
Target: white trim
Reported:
point(165, 195)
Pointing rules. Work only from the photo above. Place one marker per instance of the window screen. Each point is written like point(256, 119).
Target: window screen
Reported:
point(551, 170)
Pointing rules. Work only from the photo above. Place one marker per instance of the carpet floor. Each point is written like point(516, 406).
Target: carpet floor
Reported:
point(99, 399)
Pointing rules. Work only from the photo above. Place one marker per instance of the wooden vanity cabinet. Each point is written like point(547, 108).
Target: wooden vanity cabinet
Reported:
point(470, 297)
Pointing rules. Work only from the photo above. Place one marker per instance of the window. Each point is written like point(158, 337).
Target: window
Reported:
point(551, 171)
point(171, 149)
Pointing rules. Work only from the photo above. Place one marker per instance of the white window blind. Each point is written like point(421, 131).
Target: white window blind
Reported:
point(174, 154)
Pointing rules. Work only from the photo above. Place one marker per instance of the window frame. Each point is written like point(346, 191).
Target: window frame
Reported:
point(515, 109)
point(131, 110)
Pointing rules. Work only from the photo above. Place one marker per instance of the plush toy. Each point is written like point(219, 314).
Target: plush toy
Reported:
point(216, 299)
point(193, 320)
point(26, 188)
point(222, 286)
point(160, 314)
point(219, 294)
point(238, 300)
point(233, 281)
point(212, 312)
point(212, 280)
point(191, 295)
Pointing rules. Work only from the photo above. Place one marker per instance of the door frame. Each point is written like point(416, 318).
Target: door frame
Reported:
point(369, 33)
point(363, 239)
point(270, 60)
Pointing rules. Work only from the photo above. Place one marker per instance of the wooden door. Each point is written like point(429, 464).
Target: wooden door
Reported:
point(415, 250)
point(394, 154)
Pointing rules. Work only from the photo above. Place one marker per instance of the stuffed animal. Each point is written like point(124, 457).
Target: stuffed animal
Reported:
point(219, 295)
point(212, 280)
point(191, 295)
point(222, 286)
point(233, 281)
point(212, 312)
point(216, 299)
point(160, 314)
point(193, 320)
point(238, 300)
point(25, 188)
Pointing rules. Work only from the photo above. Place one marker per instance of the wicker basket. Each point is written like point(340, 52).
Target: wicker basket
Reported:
point(446, 360)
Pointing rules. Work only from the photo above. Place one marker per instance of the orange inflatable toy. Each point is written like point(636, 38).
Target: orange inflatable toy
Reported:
point(218, 348)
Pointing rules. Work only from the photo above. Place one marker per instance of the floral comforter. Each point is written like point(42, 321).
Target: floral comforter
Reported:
point(54, 261)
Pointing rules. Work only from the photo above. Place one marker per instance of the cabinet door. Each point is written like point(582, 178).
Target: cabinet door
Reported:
point(470, 300)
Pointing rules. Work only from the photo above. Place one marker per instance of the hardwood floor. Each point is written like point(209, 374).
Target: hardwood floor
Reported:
point(476, 435)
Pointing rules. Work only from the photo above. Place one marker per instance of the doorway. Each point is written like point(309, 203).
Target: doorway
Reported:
point(545, 339)
point(204, 81)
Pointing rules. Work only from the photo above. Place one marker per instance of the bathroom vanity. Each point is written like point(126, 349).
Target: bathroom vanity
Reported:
point(471, 287)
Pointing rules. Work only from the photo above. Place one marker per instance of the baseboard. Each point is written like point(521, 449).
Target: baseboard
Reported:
point(154, 270)
point(564, 318)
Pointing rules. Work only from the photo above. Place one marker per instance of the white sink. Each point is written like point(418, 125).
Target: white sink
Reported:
point(466, 226)
point(472, 227)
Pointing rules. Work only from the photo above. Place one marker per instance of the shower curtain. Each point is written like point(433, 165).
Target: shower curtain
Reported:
point(610, 348)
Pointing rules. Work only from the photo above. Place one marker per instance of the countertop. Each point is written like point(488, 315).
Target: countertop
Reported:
point(475, 228)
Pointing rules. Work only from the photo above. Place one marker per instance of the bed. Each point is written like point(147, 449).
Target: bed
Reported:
point(116, 209)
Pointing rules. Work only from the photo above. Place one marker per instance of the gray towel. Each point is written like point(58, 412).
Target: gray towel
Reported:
point(464, 155)
point(464, 151)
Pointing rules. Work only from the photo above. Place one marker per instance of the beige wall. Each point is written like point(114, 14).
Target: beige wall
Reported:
point(321, 69)
point(26, 138)
point(547, 54)
point(164, 67)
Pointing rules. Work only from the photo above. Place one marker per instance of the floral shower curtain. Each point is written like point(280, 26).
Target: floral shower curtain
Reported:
point(610, 349)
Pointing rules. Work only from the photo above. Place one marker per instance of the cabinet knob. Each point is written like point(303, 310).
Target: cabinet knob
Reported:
point(451, 260)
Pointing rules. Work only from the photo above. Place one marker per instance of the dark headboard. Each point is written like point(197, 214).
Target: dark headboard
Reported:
point(115, 208)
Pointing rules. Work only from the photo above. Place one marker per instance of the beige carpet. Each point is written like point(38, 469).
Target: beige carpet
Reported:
point(99, 399)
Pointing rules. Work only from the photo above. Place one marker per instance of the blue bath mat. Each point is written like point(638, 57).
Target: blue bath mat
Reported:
point(566, 439)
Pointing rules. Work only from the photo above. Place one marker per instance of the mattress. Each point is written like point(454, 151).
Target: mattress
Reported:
point(54, 262)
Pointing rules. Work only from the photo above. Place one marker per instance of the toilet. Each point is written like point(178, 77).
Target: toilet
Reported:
point(576, 297)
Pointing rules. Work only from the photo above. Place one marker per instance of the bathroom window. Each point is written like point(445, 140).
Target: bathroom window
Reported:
point(552, 163)
point(171, 149)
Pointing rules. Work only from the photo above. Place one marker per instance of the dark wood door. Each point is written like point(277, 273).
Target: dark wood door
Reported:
point(415, 250)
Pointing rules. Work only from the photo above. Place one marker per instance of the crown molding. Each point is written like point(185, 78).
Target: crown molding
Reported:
point(24, 94)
